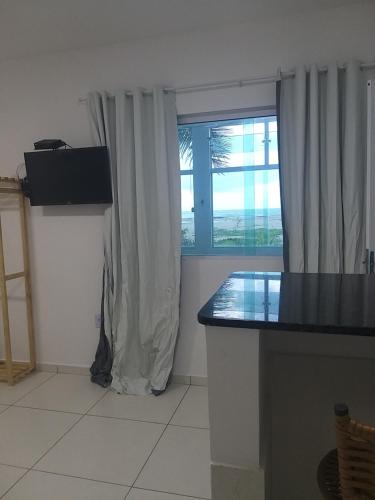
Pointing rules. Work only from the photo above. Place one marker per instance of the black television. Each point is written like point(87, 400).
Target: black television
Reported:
point(68, 176)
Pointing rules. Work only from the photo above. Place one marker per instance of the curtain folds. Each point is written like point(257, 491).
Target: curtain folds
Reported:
point(141, 280)
point(322, 169)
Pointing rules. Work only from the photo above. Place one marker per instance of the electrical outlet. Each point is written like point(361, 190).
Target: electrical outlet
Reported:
point(98, 320)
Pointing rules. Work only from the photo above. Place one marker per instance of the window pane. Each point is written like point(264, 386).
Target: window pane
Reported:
point(186, 148)
point(246, 209)
point(238, 143)
point(273, 299)
point(272, 126)
point(187, 211)
point(273, 149)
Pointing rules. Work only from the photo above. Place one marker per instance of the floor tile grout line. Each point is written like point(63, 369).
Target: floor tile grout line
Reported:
point(143, 421)
point(56, 442)
point(14, 466)
point(13, 485)
point(62, 474)
point(65, 433)
point(189, 427)
point(59, 474)
point(106, 416)
point(28, 469)
point(4, 409)
point(127, 418)
point(50, 409)
point(147, 459)
point(157, 442)
point(31, 468)
point(58, 411)
point(33, 389)
point(97, 481)
point(106, 390)
point(52, 375)
point(169, 493)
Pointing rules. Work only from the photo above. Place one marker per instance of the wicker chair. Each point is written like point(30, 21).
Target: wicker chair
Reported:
point(348, 473)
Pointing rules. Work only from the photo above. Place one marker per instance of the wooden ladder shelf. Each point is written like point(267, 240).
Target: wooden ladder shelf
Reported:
point(12, 371)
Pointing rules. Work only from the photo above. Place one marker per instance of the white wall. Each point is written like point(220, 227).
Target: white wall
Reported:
point(39, 98)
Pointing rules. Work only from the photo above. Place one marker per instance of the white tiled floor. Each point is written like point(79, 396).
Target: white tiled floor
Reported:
point(9, 395)
point(193, 410)
point(26, 434)
point(9, 476)
point(181, 449)
point(61, 438)
point(155, 409)
point(52, 486)
point(137, 494)
point(63, 393)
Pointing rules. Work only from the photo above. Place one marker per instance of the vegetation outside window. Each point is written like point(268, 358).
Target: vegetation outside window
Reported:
point(230, 192)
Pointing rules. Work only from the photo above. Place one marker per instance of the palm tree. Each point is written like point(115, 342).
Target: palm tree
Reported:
point(220, 145)
point(185, 140)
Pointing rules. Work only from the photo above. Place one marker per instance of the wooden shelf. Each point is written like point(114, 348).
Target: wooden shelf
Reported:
point(12, 371)
point(14, 276)
point(19, 371)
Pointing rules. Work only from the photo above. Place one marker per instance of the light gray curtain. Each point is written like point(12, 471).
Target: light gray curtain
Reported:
point(141, 236)
point(322, 169)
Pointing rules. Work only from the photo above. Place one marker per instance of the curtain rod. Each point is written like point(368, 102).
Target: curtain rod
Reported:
point(238, 83)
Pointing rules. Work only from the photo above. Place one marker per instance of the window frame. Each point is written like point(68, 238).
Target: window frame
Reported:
point(203, 209)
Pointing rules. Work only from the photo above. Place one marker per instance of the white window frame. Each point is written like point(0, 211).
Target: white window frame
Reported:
point(203, 210)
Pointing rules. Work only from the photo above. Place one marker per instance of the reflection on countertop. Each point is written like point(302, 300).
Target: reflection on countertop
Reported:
point(323, 303)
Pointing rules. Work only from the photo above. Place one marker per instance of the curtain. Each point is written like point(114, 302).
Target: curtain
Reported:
point(141, 277)
point(322, 169)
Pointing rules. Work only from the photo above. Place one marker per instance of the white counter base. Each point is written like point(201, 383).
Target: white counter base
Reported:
point(271, 397)
point(233, 393)
point(229, 482)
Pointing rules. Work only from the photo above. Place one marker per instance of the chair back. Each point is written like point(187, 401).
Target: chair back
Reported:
point(356, 456)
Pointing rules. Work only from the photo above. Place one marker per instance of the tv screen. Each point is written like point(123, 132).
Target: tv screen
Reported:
point(69, 176)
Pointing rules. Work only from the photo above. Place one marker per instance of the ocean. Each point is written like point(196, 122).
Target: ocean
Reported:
point(241, 219)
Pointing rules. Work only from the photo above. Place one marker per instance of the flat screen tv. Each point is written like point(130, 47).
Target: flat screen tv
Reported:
point(68, 176)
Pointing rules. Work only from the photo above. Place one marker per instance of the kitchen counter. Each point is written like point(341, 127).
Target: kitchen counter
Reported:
point(282, 349)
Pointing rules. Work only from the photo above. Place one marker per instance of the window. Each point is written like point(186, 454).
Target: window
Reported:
point(230, 193)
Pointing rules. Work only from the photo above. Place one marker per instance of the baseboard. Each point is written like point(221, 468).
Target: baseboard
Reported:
point(202, 381)
point(46, 367)
point(236, 483)
point(85, 370)
point(181, 379)
point(189, 380)
point(67, 369)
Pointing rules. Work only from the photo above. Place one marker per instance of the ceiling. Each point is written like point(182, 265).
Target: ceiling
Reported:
point(31, 27)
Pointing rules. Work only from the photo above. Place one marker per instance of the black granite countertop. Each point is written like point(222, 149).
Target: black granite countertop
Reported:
point(323, 303)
